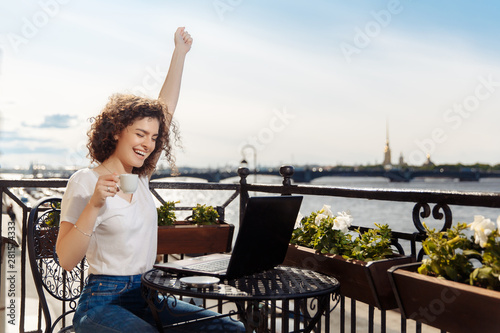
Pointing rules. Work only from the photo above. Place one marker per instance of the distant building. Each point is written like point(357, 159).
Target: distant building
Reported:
point(402, 162)
point(387, 150)
point(428, 162)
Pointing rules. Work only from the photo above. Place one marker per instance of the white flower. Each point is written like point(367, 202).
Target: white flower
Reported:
point(482, 229)
point(326, 210)
point(342, 222)
point(498, 225)
point(345, 217)
point(319, 218)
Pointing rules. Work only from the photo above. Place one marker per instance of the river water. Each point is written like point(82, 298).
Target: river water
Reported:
point(365, 212)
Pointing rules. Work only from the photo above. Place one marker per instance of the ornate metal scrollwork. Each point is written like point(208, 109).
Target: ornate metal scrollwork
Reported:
point(59, 283)
point(398, 246)
point(335, 299)
point(314, 304)
point(423, 210)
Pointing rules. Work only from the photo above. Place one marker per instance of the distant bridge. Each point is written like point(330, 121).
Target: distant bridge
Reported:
point(307, 175)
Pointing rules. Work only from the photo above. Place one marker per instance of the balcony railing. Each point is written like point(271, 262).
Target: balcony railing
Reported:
point(426, 203)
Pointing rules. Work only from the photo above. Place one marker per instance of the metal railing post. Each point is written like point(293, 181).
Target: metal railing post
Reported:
point(286, 171)
point(243, 173)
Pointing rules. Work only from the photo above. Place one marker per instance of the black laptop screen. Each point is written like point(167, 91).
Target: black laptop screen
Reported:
point(264, 234)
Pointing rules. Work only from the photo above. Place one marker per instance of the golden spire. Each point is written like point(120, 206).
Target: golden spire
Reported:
point(387, 149)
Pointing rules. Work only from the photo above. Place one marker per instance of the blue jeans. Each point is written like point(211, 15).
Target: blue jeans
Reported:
point(115, 304)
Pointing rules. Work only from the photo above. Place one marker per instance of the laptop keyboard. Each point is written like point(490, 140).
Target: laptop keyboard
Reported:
point(211, 266)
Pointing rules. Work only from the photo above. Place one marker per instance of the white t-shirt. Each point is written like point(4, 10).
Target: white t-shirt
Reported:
point(124, 241)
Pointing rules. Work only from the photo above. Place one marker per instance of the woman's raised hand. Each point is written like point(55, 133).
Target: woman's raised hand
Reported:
point(107, 186)
point(183, 40)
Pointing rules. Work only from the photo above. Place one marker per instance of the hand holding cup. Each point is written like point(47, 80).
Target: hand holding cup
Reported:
point(129, 182)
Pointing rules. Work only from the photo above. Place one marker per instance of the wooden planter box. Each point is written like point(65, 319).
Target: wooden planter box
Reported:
point(444, 304)
point(359, 280)
point(188, 238)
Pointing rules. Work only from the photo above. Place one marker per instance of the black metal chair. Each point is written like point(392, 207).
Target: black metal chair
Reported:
point(49, 277)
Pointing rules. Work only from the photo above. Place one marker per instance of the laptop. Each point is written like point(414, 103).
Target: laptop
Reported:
point(261, 243)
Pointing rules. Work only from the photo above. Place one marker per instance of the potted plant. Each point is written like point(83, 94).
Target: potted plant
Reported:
point(202, 232)
point(166, 213)
point(204, 215)
point(458, 283)
point(322, 242)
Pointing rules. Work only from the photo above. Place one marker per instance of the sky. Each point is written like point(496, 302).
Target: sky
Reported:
point(280, 82)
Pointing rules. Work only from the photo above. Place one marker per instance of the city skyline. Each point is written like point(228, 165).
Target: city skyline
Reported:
point(303, 83)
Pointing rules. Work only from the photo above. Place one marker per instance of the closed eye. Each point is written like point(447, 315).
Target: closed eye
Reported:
point(143, 133)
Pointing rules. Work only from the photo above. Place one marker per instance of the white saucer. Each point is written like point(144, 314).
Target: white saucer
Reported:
point(199, 281)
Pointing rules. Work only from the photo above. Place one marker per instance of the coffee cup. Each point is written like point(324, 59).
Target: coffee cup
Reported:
point(128, 182)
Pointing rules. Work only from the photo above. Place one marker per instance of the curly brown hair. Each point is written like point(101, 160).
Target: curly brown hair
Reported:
point(121, 111)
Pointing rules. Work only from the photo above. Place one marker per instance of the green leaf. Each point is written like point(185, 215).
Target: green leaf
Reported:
point(166, 213)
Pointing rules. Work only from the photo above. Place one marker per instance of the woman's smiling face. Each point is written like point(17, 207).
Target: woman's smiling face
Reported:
point(136, 142)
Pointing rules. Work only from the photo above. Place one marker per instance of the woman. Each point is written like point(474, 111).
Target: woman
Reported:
point(117, 232)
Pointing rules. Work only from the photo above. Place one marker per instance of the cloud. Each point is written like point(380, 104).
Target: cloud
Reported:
point(261, 57)
point(56, 121)
point(13, 143)
point(15, 137)
point(24, 149)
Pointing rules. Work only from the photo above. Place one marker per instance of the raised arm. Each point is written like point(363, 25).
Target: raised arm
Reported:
point(169, 93)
